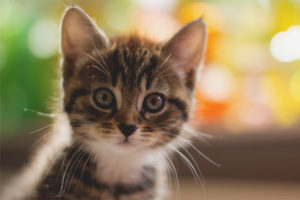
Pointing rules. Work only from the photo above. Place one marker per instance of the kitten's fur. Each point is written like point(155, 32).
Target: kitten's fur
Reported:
point(92, 155)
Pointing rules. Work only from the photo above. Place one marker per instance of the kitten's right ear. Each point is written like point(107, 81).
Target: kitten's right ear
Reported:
point(186, 50)
point(80, 33)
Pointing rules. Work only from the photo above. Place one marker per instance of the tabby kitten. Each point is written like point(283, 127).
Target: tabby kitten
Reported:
point(125, 100)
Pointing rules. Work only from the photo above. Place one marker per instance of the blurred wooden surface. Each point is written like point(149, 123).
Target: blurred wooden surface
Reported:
point(254, 166)
point(265, 156)
point(230, 189)
point(262, 156)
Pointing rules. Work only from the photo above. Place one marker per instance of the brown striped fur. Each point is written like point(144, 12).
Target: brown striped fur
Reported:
point(101, 161)
point(135, 65)
point(130, 67)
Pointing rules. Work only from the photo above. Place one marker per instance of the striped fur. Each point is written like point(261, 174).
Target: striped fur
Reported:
point(100, 161)
point(72, 178)
point(135, 69)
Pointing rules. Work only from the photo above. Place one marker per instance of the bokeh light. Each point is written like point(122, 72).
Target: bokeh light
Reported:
point(43, 38)
point(2, 55)
point(165, 5)
point(251, 67)
point(217, 83)
point(295, 86)
point(285, 46)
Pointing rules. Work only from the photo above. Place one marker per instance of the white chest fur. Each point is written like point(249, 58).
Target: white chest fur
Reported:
point(116, 165)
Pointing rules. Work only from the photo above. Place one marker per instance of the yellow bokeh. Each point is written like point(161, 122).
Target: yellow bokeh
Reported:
point(295, 86)
point(208, 11)
point(285, 107)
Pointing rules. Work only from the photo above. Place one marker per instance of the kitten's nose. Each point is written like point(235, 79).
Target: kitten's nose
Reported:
point(127, 130)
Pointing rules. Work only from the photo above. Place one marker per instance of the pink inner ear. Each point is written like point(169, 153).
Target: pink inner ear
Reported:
point(188, 45)
point(80, 33)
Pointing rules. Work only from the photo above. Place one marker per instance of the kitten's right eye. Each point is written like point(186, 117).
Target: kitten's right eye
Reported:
point(104, 98)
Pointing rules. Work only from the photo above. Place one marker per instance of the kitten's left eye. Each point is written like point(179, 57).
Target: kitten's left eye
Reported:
point(104, 98)
point(154, 102)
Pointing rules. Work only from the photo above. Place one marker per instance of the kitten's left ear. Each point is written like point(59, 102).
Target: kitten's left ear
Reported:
point(80, 33)
point(186, 50)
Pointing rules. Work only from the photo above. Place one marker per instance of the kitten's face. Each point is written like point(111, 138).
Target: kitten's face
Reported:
point(127, 95)
point(128, 92)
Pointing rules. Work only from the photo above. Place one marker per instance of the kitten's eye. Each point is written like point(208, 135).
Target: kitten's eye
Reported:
point(104, 98)
point(154, 102)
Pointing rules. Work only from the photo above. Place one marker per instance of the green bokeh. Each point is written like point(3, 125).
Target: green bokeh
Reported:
point(27, 81)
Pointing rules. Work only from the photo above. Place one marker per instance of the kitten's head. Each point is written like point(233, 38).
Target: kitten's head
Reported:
point(127, 91)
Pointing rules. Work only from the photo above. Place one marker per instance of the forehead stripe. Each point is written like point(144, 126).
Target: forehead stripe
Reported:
point(148, 72)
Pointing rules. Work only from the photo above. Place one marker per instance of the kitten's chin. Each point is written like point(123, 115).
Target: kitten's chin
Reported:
point(120, 144)
point(131, 145)
point(127, 143)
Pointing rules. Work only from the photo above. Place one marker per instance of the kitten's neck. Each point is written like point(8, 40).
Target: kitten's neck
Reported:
point(121, 166)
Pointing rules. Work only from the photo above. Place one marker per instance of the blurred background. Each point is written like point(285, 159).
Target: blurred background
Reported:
point(248, 92)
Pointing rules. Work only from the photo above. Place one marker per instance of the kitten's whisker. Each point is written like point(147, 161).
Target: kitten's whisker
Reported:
point(40, 129)
point(165, 72)
point(74, 162)
point(100, 69)
point(69, 178)
point(93, 169)
point(164, 75)
point(39, 140)
point(201, 180)
point(83, 169)
point(190, 130)
point(99, 78)
point(51, 165)
point(198, 151)
point(63, 183)
point(91, 77)
point(173, 171)
point(41, 113)
point(193, 160)
point(98, 52)
point(62, 188)
point(94, 59)
point(172, 67)
point(80, 157)
point(189, 143)
point(167, 69)
point(187, 161)
point(89, 158)
point(164, 62)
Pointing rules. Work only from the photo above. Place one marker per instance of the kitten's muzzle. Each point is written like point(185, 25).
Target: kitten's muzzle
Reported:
point(127, 130)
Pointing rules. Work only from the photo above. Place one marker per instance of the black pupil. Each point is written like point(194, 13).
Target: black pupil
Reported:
point(104, 97)
point(154, 100)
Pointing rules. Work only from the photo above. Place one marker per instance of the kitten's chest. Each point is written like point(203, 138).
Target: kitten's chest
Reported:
point(126, 175)
point(107, 176)
point(115, 168)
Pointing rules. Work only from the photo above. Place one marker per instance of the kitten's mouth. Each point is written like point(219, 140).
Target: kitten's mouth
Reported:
point(126, 142)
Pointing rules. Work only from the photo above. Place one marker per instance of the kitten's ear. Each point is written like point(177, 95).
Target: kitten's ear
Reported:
point(186, 50)
point(80, 33)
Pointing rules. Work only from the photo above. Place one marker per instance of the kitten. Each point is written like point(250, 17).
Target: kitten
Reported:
point(125, 100)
